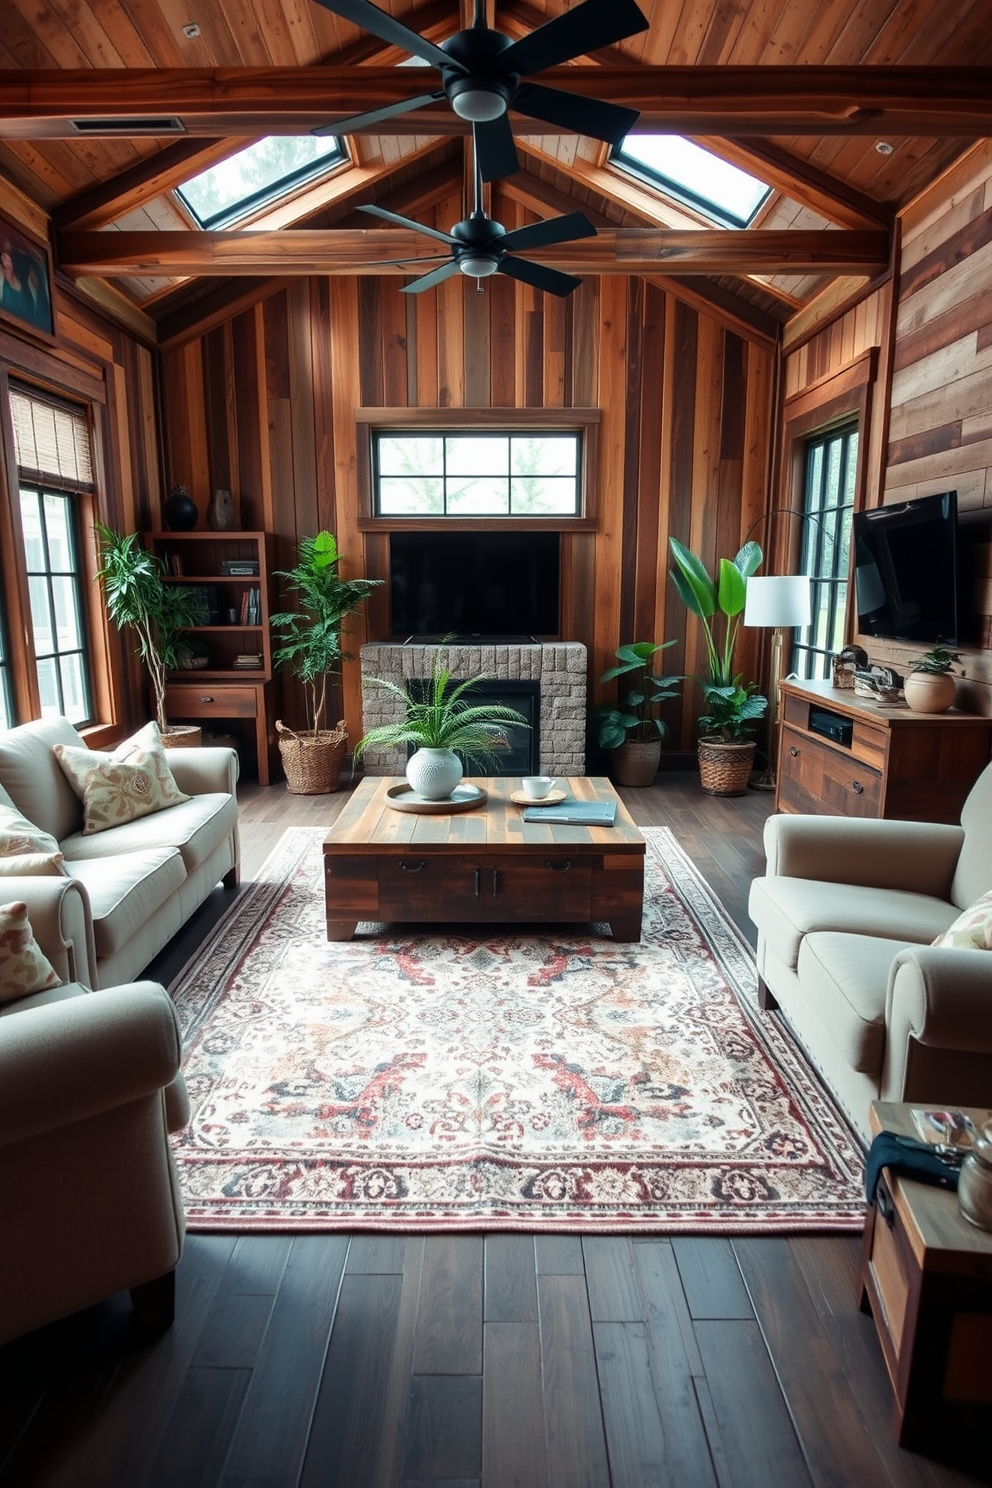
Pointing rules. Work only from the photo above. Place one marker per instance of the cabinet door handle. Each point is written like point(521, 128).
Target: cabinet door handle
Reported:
point(857, 787)
point(495, 882)
point(409, 865)
point(206, 700)
point(558, 865)
point(793, 751)
point(478, 882)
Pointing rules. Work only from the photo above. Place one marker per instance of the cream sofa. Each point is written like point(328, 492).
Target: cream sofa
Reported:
point(138, 882)
point(89, 1089)
point(846, 914)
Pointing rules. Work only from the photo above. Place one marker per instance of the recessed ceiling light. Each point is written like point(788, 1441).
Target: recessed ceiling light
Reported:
point(883, 147)
point(191, 31)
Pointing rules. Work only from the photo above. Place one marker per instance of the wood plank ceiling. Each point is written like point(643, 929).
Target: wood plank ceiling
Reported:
point(810, 131)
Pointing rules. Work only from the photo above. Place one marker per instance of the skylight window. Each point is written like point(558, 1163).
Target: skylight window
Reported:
point(264, 172)
point(693, 177)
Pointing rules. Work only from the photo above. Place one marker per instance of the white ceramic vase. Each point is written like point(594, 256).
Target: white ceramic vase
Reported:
point(434, 773)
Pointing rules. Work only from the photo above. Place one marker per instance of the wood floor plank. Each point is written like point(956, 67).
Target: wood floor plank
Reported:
point(510, 1279)
point(444, 1427)
point(665, 1307)
point(574, 1427)
point(514, 1454)
point(377, 1255)
point(267, 1448)
point(756, 1442)
point(614, 1296)
point(449, 1323)
point(711, 1277)
point(195, 1441)
point(559, 1255)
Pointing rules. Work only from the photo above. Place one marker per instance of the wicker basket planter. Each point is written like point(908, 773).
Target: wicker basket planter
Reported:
point(636, 762)
point(182, 736)
point(312, 762)
point(724, 769)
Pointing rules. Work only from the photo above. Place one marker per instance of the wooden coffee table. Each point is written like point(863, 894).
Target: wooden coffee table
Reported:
point(482, 866)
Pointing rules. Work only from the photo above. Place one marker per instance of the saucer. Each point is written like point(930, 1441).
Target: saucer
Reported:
point(553, 798)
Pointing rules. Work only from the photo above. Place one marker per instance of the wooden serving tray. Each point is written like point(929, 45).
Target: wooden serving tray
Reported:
point(463, 798)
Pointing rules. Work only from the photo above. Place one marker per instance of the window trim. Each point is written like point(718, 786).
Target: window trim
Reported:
point(683, 196)
point(583, 421)
point(241, 213)
point(77, 530)
point(813, 531)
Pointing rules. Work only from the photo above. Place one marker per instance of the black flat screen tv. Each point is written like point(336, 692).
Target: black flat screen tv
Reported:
point(474, 583)
point(905, 570)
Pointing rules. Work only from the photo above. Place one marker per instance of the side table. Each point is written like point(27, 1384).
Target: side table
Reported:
point(926, 1276)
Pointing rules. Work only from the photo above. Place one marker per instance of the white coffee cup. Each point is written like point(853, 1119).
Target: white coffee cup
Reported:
point(537, 786)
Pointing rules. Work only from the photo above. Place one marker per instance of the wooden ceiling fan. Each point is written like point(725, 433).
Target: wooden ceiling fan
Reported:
point(482, 71)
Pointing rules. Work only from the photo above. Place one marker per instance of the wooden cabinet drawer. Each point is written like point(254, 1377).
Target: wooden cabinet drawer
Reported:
point(421, 887)
point(815, 778)
point(211, 701)
point(554, 888)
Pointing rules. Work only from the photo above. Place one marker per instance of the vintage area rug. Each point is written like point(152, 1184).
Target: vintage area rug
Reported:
point(468, 1079)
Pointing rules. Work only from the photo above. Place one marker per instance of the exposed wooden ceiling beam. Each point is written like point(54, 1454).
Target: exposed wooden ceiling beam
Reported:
point(735, 101)
point(614, 251)
point(140, 183)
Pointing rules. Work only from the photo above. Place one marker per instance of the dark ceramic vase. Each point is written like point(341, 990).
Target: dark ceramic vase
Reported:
point(180, 511)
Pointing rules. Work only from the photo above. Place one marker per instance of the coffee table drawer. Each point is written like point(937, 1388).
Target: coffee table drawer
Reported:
point(557, 887)
point(438, 887)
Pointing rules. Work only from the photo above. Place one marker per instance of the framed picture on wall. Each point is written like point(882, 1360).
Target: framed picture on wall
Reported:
point(25, 281)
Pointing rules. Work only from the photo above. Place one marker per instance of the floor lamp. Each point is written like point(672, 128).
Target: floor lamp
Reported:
point(776, 603)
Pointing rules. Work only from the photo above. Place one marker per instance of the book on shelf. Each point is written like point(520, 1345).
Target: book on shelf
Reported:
point(248, 660)
point(174, 563)
point(239, 568)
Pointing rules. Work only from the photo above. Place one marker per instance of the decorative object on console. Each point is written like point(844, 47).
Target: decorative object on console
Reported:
point(180, 511)
point(844, 664)
point(311, 651)
point(930, 686)
point(631, 729)
point(441, 725)
point(221, 514)
point(975, 1182)
point(884, 684)
point(778, 603)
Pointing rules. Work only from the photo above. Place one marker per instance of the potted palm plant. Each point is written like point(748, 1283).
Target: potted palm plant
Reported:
point(138, 597)
point(631, 729)
point(930, 686)
point(441, 724)
point(310, 650)
point(726, 754)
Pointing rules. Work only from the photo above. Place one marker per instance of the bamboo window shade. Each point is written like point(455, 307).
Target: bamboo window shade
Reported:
point(51, 441)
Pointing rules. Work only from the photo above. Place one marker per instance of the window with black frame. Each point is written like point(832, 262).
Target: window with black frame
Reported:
point(828, 504)
point(52, 448)
point(6, 702)
point(476, 473)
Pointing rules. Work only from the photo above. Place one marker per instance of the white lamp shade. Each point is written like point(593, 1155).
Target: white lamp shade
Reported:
point(779, 600)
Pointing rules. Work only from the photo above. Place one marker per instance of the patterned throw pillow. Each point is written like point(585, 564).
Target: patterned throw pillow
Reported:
point(973, 927)
point(133, 780)
point(19, 836)
point(32, 865)
point(24, 968)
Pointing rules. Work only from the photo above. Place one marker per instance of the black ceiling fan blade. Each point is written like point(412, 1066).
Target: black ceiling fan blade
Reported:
point(408, 222)
point(495, 150)
point(378, 116)
point(594, 24)
point(371, 18)
point(539, 275)
point(603, 121)
point(437, 276)
point(556, 230)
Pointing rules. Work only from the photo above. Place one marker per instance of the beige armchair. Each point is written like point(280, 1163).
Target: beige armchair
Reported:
point(846, 914)
point(89, 1090)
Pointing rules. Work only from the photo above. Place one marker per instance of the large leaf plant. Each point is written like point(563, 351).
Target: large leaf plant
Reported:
point(717, 603)
point(634, 717)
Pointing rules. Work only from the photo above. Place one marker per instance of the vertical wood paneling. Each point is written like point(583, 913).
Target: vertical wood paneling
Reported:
point(344, 383)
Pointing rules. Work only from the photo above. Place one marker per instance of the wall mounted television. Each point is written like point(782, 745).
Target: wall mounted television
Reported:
point(905, 570)
point(474, 583)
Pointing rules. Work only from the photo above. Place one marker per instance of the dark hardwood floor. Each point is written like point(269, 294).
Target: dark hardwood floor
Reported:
point(555, 1361)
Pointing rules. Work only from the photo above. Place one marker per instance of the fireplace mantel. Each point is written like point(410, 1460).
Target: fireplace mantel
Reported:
point(559, 667)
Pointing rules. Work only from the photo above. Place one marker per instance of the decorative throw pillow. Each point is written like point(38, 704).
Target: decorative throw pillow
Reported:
point(32, 865)
point(24, 967)
point(973, 927)
point(18, 835)
point(133, 780)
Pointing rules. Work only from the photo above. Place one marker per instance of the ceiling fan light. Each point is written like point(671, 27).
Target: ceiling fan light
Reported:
point(478, 105)
point(477, 266)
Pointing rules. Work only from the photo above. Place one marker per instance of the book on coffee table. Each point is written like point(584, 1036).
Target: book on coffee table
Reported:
point(574, 813)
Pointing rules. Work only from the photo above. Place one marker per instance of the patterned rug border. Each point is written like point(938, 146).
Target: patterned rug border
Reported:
point(230, 940)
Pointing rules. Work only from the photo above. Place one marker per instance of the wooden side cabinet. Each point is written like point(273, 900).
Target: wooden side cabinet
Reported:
point(231, 572)
point(844, 755)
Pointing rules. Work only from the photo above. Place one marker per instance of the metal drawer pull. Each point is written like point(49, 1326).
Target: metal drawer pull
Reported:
point(206, 700)
point(857, 787)
point(558, 865)
point(409, 866)
point(793, 751)
point(478, 882)
point(495, 882)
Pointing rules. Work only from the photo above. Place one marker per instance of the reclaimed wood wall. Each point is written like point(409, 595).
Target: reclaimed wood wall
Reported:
point(266, 406)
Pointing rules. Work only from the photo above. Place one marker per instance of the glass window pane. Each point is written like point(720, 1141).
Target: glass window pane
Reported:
point(257, 175)
point(476, 455)
point(67, 631)
point(41, 616)
point(532, 496)
point(34, 548)
point(544, 456)
point(695, 176)
point(48, 687)
point(74, 704)
point(413, 454)
point(60, 553)
point(411, 498)
point(478, 498)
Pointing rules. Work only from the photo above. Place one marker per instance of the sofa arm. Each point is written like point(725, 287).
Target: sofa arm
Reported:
point(919, 857)
point(60, 917)
point(68, 1061)
point(200, 771)
point(942, 996)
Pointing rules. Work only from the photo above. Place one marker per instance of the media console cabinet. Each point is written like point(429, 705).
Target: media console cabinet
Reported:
point(845, 755)
point(484, 866)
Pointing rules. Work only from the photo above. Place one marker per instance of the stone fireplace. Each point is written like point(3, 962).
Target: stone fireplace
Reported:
point(557, 667)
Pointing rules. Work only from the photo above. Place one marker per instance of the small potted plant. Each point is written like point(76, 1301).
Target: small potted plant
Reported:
point(631, 729)
point(138, 596)
point(441, 725)
point(726, 750)
point(311, 650)
point(930, 686)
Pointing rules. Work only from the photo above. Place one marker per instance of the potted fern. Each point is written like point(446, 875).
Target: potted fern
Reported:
point(441, 724)
point(310, 648)
point(139, 598)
